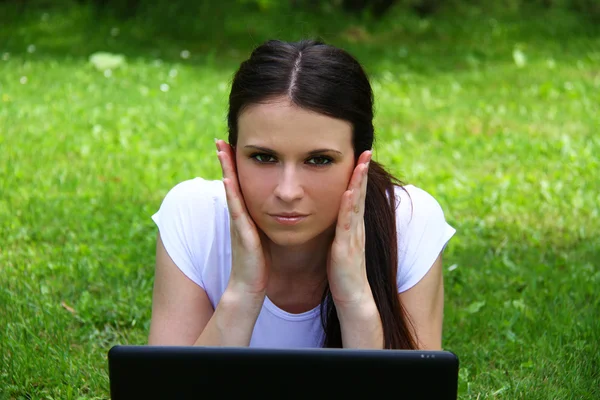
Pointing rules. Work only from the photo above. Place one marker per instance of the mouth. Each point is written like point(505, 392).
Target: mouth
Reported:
point(288, 219)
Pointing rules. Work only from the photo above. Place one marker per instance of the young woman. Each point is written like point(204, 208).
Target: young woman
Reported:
point(306, 242)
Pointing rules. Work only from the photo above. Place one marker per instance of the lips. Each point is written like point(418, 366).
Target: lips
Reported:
point(288, 215)
point(288, 218)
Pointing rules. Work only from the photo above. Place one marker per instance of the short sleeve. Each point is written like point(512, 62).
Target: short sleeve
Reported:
point(422, 234)
point(186, 220)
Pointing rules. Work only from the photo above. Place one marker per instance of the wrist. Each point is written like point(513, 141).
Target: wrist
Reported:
point(233, 320)
point(361, 325)
point(361, 304)
point(362, 310)
point(239, 296)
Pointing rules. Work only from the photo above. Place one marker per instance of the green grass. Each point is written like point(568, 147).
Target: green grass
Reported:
point(511, 153)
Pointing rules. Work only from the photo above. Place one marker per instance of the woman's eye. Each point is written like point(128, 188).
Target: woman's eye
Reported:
point(321, 160)
point(263, 158)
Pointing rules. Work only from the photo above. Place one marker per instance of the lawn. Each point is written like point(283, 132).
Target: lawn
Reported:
point(495, 114)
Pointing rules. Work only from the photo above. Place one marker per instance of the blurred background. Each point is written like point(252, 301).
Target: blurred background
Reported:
point(493, 107)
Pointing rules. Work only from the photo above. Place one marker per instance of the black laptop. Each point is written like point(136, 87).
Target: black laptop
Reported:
point(157, 372)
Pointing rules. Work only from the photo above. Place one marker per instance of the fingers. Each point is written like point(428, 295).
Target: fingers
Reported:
point(343, 230)
point(363, 186)
point(360, 180)
point(352, 207)
point(235, 202)
point(356, 180)
point(226, 155)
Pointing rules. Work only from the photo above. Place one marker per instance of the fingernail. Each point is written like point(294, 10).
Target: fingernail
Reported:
point(216, 140)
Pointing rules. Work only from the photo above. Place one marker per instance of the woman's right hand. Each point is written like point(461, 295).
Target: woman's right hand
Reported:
point(249, 263)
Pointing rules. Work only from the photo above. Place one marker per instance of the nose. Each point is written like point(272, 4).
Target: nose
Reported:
point(289, 185)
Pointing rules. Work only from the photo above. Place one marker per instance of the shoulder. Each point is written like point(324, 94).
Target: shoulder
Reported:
point(422, 231)
point(192, 216)
point(414, 205)
point(197, 192)
point(192, 206)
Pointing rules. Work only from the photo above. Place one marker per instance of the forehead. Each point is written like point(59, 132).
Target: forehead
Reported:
point(281, 123)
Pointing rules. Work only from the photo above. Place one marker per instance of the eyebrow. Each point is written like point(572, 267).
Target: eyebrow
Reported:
point(310, 153)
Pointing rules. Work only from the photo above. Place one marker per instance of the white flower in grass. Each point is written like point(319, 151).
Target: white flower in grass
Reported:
point(5, 56)
point(519, 58)
point(185, 54)
point(31, 48)
point(114, 32)
point(164, 87)
point(104, 61)
point(108, 73)
point(23, 80)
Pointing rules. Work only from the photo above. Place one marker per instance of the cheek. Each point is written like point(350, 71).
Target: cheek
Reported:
point(254, 184)
point(329, 189)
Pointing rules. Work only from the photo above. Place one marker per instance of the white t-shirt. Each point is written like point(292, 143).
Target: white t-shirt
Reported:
point(193, 222)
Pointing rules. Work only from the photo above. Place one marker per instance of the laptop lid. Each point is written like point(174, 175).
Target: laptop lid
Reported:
point(171, 372)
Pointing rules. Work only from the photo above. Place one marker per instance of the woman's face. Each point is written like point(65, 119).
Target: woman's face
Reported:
point(293, 167)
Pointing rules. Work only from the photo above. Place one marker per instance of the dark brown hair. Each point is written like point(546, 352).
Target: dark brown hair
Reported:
point(328, 80)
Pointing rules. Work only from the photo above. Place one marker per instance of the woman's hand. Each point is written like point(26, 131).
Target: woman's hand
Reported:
point(360, 322)
point(346, 267)
point(249, 263)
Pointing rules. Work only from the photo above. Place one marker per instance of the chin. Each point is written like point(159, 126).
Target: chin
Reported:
point(298, 237)
point(289, 239)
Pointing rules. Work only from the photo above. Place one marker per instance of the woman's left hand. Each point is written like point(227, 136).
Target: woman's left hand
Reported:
point(346, 266)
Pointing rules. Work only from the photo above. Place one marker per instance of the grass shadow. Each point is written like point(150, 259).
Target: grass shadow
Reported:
point(222, 34)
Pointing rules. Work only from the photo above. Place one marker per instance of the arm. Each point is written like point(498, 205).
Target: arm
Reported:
point(424, 304)
point(183, 315)
point(361, 325)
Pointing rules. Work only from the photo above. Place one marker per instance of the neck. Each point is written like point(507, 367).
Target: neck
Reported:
point(298, 274)
point(302, 263)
